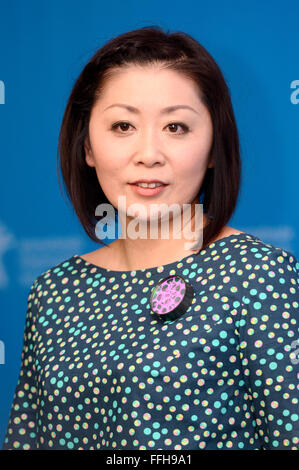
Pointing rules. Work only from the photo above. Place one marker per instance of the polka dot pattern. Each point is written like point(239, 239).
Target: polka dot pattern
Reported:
point(99, 371)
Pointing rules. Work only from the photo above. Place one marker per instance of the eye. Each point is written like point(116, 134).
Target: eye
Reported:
point(183, 126)
point(117, 124)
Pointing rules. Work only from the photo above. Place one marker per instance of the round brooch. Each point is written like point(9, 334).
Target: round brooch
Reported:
point(171, 298)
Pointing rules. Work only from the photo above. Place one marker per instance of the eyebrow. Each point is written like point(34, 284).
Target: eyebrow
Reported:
point(167, 110)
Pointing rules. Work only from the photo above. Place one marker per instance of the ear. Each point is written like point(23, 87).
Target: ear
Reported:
point(88, 153)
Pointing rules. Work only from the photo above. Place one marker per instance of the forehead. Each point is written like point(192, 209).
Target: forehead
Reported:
point(147, 87)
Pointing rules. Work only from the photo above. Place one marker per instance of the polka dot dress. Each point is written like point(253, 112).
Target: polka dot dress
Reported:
point(100, 371)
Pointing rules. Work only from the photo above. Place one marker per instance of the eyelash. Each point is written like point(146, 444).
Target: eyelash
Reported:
point(184, 127)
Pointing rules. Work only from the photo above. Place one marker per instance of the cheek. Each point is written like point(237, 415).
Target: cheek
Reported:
point(103, 154)
point(190, 172)
point(191, 167)
point(106, 161)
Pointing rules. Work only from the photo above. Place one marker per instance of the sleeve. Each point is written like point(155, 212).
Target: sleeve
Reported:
point(21, 429)
point(269, 347)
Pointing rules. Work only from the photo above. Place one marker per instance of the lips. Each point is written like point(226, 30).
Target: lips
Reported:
point(148, 181)
point(149, 185)
point(148, 191)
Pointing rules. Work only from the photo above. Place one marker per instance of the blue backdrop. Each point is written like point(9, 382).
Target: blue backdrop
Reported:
point(44, 46)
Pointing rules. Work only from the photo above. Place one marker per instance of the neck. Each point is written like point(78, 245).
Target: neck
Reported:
point(171, 241)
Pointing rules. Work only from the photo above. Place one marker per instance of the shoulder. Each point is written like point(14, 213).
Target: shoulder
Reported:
point(250, 248)
point(257, 263)
point(56, 275)
point(267, 273)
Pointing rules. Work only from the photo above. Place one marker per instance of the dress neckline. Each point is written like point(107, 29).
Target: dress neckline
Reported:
point(167, 266)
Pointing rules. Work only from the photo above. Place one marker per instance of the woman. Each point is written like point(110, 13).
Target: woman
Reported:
point(114, 359)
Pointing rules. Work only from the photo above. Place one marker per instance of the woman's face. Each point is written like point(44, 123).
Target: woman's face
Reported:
point(148, 142)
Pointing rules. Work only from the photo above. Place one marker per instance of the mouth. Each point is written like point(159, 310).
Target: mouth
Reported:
point(148, 189)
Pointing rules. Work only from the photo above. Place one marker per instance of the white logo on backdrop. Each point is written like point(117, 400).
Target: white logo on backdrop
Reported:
point(7, 242)
point(39, 254)
point(2, 353)
point(295, 94)
point(32, 256)
point(2, 92)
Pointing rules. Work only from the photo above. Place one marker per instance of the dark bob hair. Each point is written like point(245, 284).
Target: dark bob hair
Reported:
point(174, 51)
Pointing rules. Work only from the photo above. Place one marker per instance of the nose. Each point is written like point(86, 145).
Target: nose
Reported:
point(149, 149)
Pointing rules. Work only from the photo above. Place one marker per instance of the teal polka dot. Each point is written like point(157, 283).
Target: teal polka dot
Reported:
point(154, 373)
point(223, 334)
point(262, 295)
point(257, 305)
